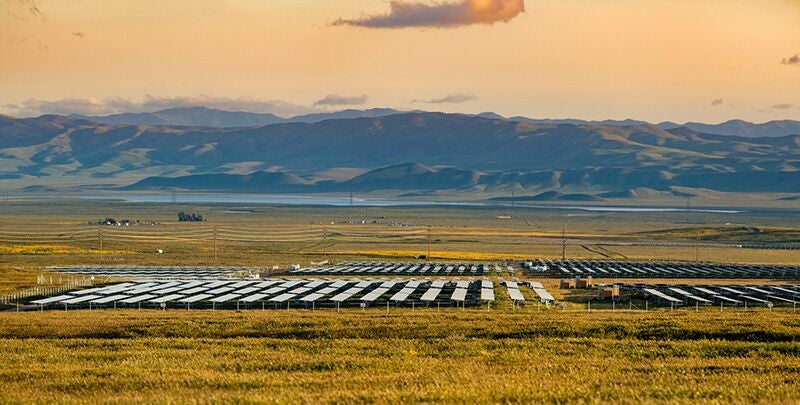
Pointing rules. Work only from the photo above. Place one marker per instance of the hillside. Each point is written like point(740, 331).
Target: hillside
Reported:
point(450, 151)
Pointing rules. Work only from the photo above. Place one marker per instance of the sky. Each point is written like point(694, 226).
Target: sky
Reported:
point(657, 60)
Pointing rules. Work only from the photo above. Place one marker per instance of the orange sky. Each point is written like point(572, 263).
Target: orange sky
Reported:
point(595, 59)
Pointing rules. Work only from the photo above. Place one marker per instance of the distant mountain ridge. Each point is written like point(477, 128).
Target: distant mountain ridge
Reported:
point(462, 153)
point(207, 117)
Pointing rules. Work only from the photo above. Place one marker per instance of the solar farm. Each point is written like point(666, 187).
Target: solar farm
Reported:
point(416, 269)
point(660, 269)
point(154, 271)
point(352, 312)
point(278, 293)
point(719, 295)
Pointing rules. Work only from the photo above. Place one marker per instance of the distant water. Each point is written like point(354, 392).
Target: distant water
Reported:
point(369, 202)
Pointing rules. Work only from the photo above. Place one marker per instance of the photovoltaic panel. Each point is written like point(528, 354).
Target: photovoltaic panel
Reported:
point(195, 298)
point(431, 294)
point(374, 294)
point(138, 298)
point(78, 300)
point(459, 294)
point(167, 298)
point(110, 298)
point(50, 300)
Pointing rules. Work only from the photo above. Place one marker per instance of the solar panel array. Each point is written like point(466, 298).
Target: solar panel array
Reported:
point(513, 290)
point(272, 293)
point(399, 269)
point(625, 269)
point(153, 271)
point(767, 295)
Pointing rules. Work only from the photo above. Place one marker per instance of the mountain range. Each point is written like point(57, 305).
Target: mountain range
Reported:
point(207, 117)
point(402, 152)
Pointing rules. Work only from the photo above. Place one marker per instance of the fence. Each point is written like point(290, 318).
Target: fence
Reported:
point(70, 285)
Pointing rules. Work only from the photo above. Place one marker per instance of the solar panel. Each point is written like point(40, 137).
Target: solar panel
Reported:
point(374, 294)
point(731, 290)
point(689, 295)
point(431, 294)
point(111, 298)
point(705, 291)
point(487, 294)
point(403, 294)
point(50, 300)
point(253, 298)
point(758, 290)
point(755, 299)
point(515, 294)
point(195, 298)
point(459, 294)
point(247, 290)
point(78, 300)
point(312, 297)
point(544, 296)
point(661, 295)
point(167, 298)
point(727, 299)
point(282, 298)
point(139, 298)
point(193, 290)
point(344, 296)
point(225, 298)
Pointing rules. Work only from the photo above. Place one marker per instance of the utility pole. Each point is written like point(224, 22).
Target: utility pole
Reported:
point(351, 197)
point(325, 241)
point(563, 243)
point(428, 257)
point(697, 246)
point(215, 243)
point(100, 239)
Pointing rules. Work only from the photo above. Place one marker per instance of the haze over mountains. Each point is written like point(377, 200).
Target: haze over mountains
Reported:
point(207, 117)
point(411, 153)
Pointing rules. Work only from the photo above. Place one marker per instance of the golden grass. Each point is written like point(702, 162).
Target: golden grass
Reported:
point(40, 249)
point(445, 255)
point(422, 356)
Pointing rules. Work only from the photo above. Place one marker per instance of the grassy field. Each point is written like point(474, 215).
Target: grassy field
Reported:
point(39, 233)
point(355, 356)
point(421, 356)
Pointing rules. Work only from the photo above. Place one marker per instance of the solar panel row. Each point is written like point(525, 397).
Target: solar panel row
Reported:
point(276, 291)
point(626, 269)
point(768, 295)
point(181, 272)
point(427, 269)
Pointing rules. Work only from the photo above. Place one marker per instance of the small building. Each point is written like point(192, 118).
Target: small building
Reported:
point(605, 292)
point(584, 282)
point(568, 283)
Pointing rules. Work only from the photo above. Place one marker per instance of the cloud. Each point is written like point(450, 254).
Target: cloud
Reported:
point(782, 106)
point(95, 106)
point(449, 99)
point(403, 14)
point(716, 102)
point(332, 100)
point(78, 35)
point(792, 60)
